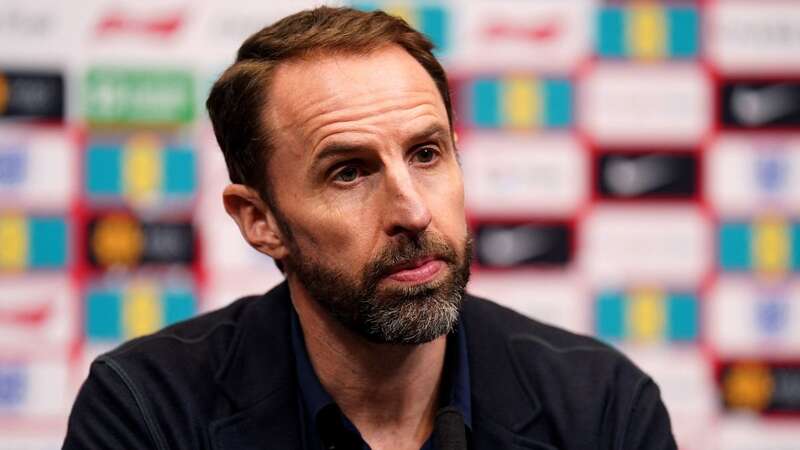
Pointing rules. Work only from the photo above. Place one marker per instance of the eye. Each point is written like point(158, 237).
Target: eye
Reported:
point(426, 154)
point(347, 174)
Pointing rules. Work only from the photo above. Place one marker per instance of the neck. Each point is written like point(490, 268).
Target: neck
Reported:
point(388, 391)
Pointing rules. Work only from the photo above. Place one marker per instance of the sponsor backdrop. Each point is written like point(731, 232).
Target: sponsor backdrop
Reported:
point(632, 172)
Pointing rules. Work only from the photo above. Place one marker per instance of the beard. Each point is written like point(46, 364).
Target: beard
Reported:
point(409, 315)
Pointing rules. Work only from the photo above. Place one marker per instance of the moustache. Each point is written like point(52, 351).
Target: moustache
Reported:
point(407, 250)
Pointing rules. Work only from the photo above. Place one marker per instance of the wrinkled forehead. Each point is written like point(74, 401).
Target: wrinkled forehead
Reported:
point(324, 89)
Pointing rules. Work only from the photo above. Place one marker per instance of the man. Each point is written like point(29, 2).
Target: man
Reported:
point(336, 127)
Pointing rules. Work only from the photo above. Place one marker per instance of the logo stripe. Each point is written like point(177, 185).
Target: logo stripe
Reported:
point(142, 168)
point(646, 31)
point(119, 313)
point(13, 242)
point(611, 24)
point(683, 31)
point(768, 245)
point(646, 315)
point(519, 103)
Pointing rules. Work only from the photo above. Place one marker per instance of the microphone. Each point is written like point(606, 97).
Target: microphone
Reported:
point(449, 429)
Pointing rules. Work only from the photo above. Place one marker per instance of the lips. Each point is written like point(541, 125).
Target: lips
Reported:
point(417, 271)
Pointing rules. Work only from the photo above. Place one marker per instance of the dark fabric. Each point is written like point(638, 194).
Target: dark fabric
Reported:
point(450, 433)
point(320, 413)
point(227, 380)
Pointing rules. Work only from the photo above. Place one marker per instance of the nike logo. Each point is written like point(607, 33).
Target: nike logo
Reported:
point(633, 177)
point(511, 246)
point(759, 106)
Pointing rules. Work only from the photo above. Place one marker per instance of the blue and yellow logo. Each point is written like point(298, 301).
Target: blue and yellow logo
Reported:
point(646, 315)
point(141, 307)
point(28, 242)
point(142, 170)
point(769, 246)
point(521, 102)
point(648, 31)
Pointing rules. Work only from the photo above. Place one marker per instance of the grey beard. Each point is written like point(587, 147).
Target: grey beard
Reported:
point(409, 315)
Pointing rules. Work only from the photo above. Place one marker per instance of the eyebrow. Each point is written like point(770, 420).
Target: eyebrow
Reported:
point(339, 149)
point(434, 130)
point(335, 150)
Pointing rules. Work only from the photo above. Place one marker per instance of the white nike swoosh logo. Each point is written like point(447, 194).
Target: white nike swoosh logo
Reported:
point(635, 177)
point(755, 107)
point(511, 246)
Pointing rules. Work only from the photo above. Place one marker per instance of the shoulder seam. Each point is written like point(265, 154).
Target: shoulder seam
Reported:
point(152, 426)
point(153, 337)
point(551, 347)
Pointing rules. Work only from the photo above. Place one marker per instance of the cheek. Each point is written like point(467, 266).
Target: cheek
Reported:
point(447, 205)
point(334, 234)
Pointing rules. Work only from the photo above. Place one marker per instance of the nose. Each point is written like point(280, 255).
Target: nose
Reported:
point(405, 209)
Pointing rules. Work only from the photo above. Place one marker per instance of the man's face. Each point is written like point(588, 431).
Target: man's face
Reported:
point(369, 193)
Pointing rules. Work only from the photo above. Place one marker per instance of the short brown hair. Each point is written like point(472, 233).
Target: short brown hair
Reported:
point(237, 100)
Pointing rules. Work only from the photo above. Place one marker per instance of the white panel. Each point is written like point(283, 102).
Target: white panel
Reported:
point(507, 34)
point(747, 319)
point(631, 104)
point(36, 33)
point(38, 168)
point(746, 174)
point(553, 299)
point(35, 389)
point(38, 314)
point(518, 175)
point(749, 433)
point(756, 37)
point(645, 244)
point(13, 440)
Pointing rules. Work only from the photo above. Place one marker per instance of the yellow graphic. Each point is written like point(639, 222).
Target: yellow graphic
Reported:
point(403, 12)
point(748, 386)
point(646, 31)
point(117, 240)
point(13, 242)
point(521, 102)
point(142, 167)
point(646, 315)
point(142, 310)
point(3, 94)
point(770, 250)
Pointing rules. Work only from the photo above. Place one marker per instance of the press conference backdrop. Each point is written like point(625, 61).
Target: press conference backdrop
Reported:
point(632, 172)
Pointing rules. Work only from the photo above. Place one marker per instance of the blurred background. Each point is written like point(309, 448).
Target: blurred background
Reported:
point(632, 172)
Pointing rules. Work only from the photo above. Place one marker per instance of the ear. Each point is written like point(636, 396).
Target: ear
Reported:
point(255, 219)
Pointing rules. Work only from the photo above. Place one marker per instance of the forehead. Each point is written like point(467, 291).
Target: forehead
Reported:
point(323, 90)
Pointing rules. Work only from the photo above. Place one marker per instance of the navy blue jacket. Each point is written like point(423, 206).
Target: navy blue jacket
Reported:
point(226, 380)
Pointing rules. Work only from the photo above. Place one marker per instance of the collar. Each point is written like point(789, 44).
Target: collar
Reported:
point(314, 397)
point(258, 382)
point(456, 381)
